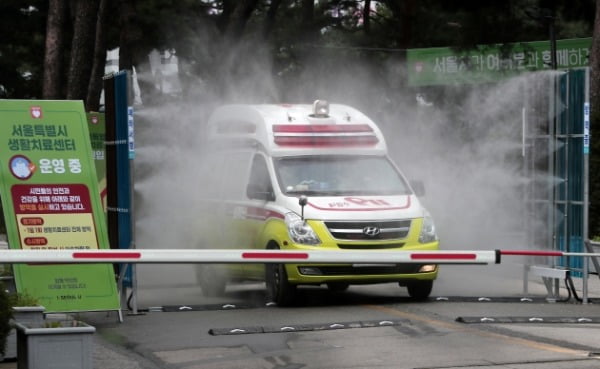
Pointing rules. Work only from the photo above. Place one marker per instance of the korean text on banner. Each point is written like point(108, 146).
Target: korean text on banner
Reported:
point(492, 63)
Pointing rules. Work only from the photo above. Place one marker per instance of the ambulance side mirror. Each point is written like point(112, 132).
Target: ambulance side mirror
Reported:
point(418, 187)
point(302, 201)
point(254, 191)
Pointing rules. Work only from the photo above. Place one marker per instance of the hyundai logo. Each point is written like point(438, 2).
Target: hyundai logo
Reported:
point(371, 231)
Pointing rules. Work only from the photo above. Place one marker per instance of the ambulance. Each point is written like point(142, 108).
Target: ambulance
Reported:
point(307, 177)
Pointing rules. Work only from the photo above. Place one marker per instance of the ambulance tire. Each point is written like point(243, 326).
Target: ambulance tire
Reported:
point(279, 289)
point(419, 290)
point(212, 280)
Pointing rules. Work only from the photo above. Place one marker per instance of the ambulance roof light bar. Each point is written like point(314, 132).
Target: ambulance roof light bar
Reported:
point(320, 109)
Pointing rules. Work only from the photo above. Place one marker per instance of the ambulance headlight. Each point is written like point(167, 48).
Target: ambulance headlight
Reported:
point(300, 232)
point(428, 233)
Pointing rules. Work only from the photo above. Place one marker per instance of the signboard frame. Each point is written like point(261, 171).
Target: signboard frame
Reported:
point(51, 201)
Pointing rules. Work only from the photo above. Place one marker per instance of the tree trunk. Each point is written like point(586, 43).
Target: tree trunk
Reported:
point(239, 18)
point(367, 17)
point(55, 47)
point(82, 48)
point(408, 16)
point(129, 34)
point(309, 32)
point(95, 85)
point(270, 17)
point(308, 13)
point(223, 21)
point(594, 180)
point(131, 54)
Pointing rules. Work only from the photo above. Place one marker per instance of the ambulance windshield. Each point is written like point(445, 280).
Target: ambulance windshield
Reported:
point(339, 175)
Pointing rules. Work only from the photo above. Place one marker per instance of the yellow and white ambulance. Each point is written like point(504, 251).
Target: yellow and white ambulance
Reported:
point(308, 177)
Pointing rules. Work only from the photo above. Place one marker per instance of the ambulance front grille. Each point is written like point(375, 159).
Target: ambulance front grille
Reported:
point(369, 269)
point(369, 230)
point(370, 246)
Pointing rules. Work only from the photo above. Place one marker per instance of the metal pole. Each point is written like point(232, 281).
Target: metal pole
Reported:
point(551, 170)
point(586, 187)
point(552, 35)
point(553, 123)
point(550, 19)
point(131, 145)
point(133, 267)
point(567, 229)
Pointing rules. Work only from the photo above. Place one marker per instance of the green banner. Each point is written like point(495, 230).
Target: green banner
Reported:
point(490, 63)
point(51, 201)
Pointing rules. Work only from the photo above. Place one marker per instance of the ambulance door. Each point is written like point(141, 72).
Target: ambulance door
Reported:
point(207, 227)
point(234, 210)
point(259, 192)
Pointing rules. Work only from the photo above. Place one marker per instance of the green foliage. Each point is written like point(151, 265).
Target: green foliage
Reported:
point(195, 30)
point(2, 222)
point(5, 317)
point(63, 323)
point(22, 26)
point(6, 270)
point(23, 299)
point(53, 324)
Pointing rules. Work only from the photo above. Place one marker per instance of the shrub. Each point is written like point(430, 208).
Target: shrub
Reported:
point(5, 316)
point(22, 299)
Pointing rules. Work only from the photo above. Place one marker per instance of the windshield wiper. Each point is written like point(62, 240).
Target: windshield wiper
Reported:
point(304, 192)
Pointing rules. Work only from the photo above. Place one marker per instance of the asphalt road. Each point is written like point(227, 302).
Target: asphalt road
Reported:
point(477, 318)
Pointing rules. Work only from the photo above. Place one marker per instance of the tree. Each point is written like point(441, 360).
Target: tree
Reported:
point(55, 46)
point(270, 17)
point(22, 26)
point(239, 18)
point(82, 48)
point(292, 29)
point(85, 55)
point(130, 33)
point(92, 100)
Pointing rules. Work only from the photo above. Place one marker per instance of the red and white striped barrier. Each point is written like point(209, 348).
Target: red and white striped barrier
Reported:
point(186, 256)
point(237, 256)
point(546, 253)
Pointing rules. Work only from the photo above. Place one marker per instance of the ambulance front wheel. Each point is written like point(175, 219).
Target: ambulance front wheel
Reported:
point(212, 280)
point(279, 289)
point(419, 290)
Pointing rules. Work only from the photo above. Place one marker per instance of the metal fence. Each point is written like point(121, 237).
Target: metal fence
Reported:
point(556, 152)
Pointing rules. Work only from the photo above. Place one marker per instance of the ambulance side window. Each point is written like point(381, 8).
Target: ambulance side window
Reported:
point(234, 168)
point(259, 183)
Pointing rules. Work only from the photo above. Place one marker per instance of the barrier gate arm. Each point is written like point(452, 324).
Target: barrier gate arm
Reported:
point(210, 256)
point(235, 256)
point(547, 253)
